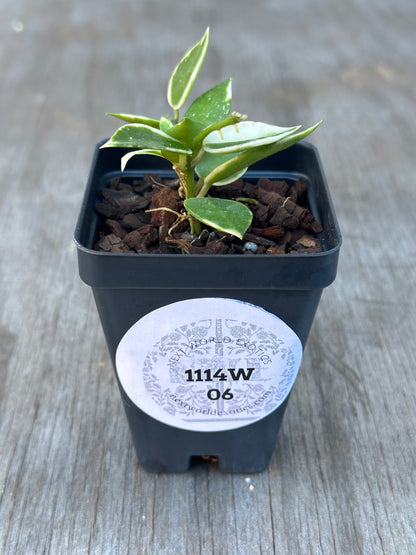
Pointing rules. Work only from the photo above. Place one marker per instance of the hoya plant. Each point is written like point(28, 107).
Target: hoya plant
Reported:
point(210, 145)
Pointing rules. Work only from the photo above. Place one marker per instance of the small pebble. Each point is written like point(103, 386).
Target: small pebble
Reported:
point(250, 246)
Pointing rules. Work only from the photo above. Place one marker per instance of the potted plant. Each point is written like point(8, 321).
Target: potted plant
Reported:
point(204, 312)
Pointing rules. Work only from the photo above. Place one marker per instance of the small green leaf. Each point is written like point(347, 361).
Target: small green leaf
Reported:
point(165, 124)
point(212, 106)
point(211, 161)
point(185, 73)
point(246, 159)
point(130, 118)
point(137, 135)
point(185, 131)
point(244, 135)
point(222, 214)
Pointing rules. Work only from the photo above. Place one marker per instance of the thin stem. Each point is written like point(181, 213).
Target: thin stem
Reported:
point(198, 185)
point(195, 226)
point(190, 192)
point(190, 182)
point(204, 189)
point(182, 162)
point(198, 157)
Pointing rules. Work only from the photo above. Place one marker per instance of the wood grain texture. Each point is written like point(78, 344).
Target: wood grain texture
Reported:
point(342, 478)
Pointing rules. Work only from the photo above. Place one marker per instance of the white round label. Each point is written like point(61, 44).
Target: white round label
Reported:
point(208, 364)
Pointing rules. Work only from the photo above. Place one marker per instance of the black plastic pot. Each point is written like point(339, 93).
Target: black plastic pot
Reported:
point(126, 287)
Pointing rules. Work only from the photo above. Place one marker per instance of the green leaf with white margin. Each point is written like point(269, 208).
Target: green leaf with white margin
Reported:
point(172, 157)
point(222, 214)
point(127, 157)
point(137, 135)
point(212, 106)
point(246, 159)
point(185, 73)
point(244, 135)
point(131, 118)
point(211, 161)
point(231, 178)
point(185, 131)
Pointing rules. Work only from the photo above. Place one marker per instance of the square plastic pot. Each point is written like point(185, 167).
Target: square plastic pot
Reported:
point(126, 287)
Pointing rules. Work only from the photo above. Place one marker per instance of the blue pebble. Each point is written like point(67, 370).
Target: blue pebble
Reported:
point(250, 246)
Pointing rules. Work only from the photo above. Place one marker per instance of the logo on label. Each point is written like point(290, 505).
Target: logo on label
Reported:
point(208, 364)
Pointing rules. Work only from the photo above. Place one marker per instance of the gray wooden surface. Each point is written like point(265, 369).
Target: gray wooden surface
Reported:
point(342, 478)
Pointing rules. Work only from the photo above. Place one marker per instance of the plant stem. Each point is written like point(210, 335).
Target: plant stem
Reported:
point(190, 181)
point(204, 189)
point(199, 185)
point(195, 226)
point(198, 157)
point(190, 192)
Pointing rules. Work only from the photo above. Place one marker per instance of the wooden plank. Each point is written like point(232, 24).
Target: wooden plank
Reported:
point(342, 478)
